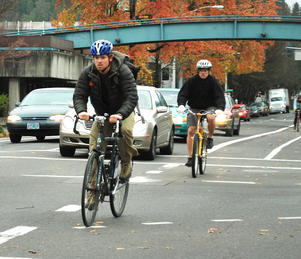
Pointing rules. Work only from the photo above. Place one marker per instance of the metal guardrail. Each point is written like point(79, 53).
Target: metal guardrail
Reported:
point(148, 22)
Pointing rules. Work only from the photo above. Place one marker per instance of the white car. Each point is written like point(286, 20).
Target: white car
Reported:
point(153, 129)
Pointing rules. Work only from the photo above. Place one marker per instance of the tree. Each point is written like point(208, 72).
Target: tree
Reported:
point(223, 54)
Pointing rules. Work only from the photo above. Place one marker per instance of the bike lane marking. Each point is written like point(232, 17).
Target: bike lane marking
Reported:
point(278, 149)
point(15, 232)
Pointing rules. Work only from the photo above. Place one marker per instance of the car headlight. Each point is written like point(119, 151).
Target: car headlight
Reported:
point(221, 118)
point(13, 118)
point(57, 117)
point(179, 120)
point(68, 122)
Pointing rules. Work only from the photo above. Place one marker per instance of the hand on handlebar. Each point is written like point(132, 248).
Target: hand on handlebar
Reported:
point(114, 117)
point(181, 109)
point(84, 116)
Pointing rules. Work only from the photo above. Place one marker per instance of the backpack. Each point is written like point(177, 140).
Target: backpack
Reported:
point(128, 62)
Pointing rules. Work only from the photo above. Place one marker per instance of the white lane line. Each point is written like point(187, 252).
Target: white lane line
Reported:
point(43, 158)
point(15, 257)
point(219, 146)
point(154, 172)
point(238, 182)
point(289, 217)
point(141, 179)
point(69, 208)
point(15, 232)
point(252, 159)
point(226, 220)
point(255, 166)
point(157, 223)
point(169, 166)
point(52, 176)
point(83, 227)
point(278, 149)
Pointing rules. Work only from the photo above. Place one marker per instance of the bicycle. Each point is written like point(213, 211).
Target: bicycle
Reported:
point(199, 151)
point(101, 181)
point(298, 120)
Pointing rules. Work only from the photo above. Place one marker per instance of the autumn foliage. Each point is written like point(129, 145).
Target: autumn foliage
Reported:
point(227, 56)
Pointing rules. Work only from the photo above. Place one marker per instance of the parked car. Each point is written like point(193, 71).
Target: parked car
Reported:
point(179, 119)
point(153, 127)
point(229, 120)
point(39, 114)
point(263, 108)
point(260, 109)
point(254, 110)
point(244, 112)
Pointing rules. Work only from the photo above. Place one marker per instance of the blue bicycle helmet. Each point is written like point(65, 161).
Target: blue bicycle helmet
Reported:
point(101, 47)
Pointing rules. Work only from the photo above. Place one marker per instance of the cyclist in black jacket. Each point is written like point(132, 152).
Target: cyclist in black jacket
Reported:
point(201, 92)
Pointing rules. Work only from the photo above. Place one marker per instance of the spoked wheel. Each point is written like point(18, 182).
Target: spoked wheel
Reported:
point(90, 195)
point(203, 158)
point(195, 156)
point(298, 125)
point(120, 191)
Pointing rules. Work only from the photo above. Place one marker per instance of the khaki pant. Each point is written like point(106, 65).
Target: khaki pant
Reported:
point(125, 144)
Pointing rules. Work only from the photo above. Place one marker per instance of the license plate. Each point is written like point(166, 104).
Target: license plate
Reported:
point(33, 125)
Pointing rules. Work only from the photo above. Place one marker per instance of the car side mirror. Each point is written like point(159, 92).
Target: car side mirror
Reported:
point(70, 105)
point(18, 104)
point(236, 106)
point(162, 109)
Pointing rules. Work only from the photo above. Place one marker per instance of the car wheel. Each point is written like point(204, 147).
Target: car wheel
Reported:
point(169, 148)
point(229, 132)
point(15, 138)
point(67, 151)
point(40, 138)
point(151, 153)
point(236, 131)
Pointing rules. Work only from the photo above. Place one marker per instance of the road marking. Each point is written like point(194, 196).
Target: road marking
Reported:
point(289, 217)
point(219, 146)
point(239, 182)
point(157, 223)
point(15, 232)
point(15, 258)
point(226, 220)
point(255, 166)
point(169, 166)
point(52, 176)
point(141, 179)
point(259, 171)
point(278, 149)
point(154, 172)
point(83, 227)
point(69, 208)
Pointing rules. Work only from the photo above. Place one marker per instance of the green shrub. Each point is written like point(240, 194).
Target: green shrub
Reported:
point(3, 104)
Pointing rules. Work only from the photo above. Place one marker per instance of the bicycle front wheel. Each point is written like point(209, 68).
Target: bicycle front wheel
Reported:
point(203, 158)
point(195, 156)
point(90, 194)
point(118, 197)
point(298, 124)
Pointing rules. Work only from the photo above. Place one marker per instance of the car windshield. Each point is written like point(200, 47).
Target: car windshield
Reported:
point(144, 101)
point(170, 97)
point(48, 98)
point(276, 99)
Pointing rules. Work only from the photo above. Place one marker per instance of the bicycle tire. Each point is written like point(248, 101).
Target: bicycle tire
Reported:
point(203, 158)
point(89, 210)
point(298, 124)
point(118, 197)
point(195, 156)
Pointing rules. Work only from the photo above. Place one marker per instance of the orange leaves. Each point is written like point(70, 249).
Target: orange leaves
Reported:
point(227, 56)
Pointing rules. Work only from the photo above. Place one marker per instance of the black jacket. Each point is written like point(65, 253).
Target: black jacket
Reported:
point(202, 93)
point(120, 95)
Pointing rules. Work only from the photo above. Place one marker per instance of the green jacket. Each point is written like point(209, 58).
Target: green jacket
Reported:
point(122, 95)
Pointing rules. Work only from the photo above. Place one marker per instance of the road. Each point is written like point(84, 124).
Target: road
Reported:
point(247, 205)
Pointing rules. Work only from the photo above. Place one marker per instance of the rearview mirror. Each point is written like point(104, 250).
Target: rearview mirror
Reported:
point(162, 109)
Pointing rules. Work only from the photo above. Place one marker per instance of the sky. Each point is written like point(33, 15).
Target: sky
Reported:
point(291, 2)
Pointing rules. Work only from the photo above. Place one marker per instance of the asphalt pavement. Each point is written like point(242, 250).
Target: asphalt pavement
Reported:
point(246, 205)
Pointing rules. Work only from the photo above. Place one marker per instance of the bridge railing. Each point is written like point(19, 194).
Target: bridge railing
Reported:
point(156, 21)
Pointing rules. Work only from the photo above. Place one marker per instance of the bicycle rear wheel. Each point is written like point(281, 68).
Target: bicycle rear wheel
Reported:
point(298, 124)
point(203, 158)
point(118, 197)
point(195, 156)
point(90, 194)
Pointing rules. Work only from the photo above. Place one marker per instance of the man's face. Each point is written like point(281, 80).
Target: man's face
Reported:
point(203, 73)
point(102, 62)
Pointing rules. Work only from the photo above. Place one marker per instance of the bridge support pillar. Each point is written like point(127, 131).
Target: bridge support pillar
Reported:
point(13, 92)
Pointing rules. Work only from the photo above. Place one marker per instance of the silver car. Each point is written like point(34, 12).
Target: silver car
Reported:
point(153, 127)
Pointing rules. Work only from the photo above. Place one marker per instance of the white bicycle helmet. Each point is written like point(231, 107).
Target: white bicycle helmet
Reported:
point(204, 63)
